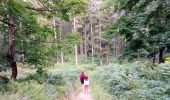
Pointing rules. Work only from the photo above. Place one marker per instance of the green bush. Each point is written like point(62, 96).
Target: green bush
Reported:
point(91, 67)
point(10, 87)
point(69, 74)
point(43, 85)
point(136, 82)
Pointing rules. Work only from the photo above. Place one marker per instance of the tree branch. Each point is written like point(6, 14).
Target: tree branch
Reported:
point(42, 9)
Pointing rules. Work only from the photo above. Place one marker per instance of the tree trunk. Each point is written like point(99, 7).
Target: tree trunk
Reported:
point(100, 50)
point(14, 70)
point(54, 40)
point(118, 46)
point(61, 52)
point(161, 51)
point(92, 46)
point(81, 47)
point(154, 58)
point(101, 61)
point(54, 28)
point(11, 51)
point(76, 54)
point(115, 47)
point(85, 43)
point(62, 56)
point(107, 54)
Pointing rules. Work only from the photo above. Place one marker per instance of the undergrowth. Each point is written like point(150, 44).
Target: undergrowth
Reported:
point(134, 82)
point(43, 85)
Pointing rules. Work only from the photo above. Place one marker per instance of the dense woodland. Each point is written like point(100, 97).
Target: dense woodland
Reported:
point(122, 44)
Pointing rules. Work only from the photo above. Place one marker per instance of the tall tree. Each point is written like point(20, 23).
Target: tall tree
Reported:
point(76, 50)
point(144, 26)
point(32, 37)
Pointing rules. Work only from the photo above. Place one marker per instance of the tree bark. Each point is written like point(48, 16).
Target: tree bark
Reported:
point(14, 70)
point(107, 54)
point(62, 51)
point(11, 51)
point(54, 28)
point(81, 47)
point(62, 56)
point(100, 50)
point(85, 43)
point(115, 47)
point(76, 54)
point(92, 46)
point(118, 46)
point(54, 40)
point(154, 58)
point(161, 49)
point(161, 52)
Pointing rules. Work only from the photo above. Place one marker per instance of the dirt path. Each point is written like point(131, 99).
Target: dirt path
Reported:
point(80, 96)
point(85, 96)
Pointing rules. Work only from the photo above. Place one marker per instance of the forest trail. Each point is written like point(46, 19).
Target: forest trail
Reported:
point(77, 93)
point(80, 96)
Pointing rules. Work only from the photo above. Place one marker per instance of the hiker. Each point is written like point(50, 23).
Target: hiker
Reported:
point(82, 76)
point(86, 84)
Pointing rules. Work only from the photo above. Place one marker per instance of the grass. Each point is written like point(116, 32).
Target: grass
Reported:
point(114, 81)
point(97, 90)
point(99, 93)
point(132, 82)
point(54, 85)
point(31, 90)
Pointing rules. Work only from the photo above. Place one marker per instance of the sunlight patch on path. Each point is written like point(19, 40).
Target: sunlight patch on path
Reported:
point(85, 96)
point(81, 96)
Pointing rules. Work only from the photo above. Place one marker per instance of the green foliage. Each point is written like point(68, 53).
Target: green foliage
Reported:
point(165, 71)
point(11, 86)
point(30, 37)
point(69, 41)
point(41, 71)
point(43, 85)
point(136, 82)
point(144, 25)
point(65, 9)
point(98, 92)
point(69, 74)
point(91, 67)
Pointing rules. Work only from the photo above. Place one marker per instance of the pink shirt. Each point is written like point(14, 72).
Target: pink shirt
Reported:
point(82, 76)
